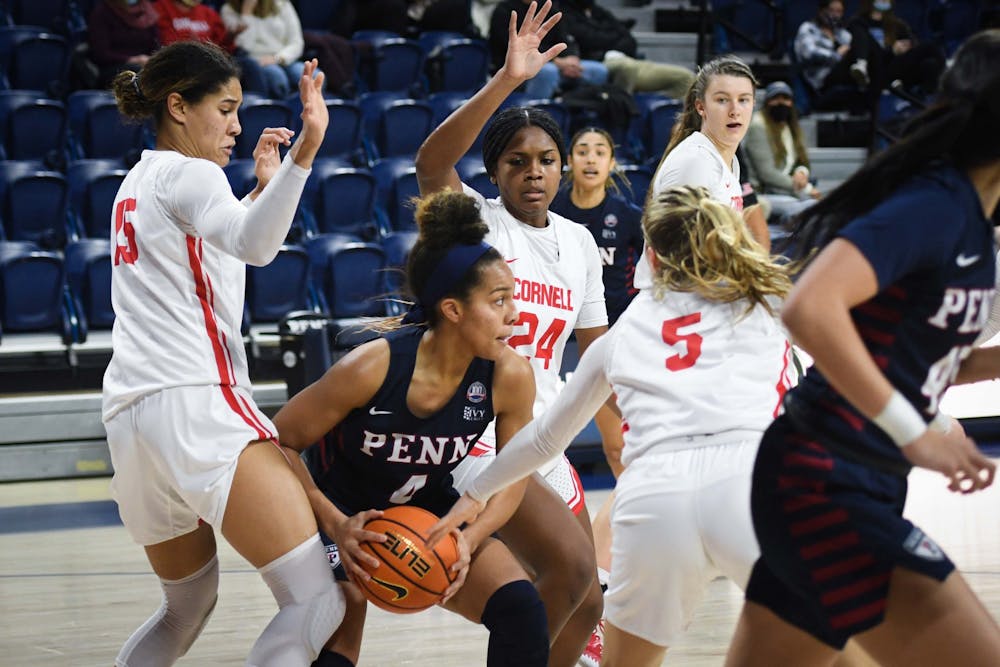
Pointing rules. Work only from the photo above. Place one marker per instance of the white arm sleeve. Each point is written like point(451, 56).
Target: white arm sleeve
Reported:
point(200, 199)
point(550, 434)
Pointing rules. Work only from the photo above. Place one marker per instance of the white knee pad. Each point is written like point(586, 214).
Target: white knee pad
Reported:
point(168, 634)
point(311, 607)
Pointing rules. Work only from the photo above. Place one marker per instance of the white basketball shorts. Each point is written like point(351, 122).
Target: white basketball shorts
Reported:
point(174, 454)
point(679, 519)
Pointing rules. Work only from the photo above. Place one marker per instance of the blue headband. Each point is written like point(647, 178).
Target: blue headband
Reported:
point(456, 262)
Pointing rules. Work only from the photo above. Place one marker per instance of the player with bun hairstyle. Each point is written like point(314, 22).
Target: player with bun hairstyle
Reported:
point(191, 451)
point(559, 291)
point(889, 308)
point(699, 364)
point(399, 413)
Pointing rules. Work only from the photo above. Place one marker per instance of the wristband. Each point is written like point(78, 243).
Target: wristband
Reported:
point(900, 420)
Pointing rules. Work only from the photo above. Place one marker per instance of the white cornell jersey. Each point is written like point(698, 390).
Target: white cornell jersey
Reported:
point(696, 162)
point(685, 368)
point(552, 297)
point(177, 294)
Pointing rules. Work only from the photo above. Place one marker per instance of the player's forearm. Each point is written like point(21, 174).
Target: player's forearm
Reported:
point(981, 364)
point(498, 512)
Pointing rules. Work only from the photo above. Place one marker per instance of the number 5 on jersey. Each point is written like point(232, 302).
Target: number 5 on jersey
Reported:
point(672, 336)
point(125, 248)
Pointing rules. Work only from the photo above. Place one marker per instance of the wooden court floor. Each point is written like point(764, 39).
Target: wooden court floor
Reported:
point(73, 586)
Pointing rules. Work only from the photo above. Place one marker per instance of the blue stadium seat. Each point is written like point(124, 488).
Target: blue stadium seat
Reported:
point(32, 127)
point(396, 179)
point(639, 177)
point(349, 273)
point(555, 109)
point(254, 117)
point(39, 62)
point(343, 140)
point(397, 246)
point(241, 176)
point(33, 204)
point(394, 127)
point(460, 65)
point(282, 286)
point(88, 275)
point(60, 16)
point(341, 199)
point(444, 102)
point(44, 307)
point(376, 37)
point(93, 186)
point(97, 129)
point(396, 65)
point(472, 172)
point(660, 123)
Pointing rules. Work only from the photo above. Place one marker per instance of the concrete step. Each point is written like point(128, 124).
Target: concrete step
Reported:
point(676, 48)
point(833, 166)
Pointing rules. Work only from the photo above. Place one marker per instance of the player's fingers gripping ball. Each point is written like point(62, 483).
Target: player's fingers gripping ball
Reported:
point(411, 577)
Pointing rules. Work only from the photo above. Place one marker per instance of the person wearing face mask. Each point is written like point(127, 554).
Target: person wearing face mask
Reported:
point(777, 156)
point(885, 50)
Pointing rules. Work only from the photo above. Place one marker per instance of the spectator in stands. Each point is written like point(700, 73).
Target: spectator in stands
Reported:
point(122, 35)
point(564, 71)
point(603, 37)
point(404, 17)
point(823, 49)
point(776, 151)
point(270, 32)
point(886, 49)
point(190, 19)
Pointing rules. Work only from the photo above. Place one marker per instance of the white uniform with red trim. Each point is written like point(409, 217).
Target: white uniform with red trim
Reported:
point(697, 382)
point(558, 287)
point(697, 162)
point(177, 400)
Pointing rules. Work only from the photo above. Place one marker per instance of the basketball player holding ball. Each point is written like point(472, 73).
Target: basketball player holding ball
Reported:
point(399, 413)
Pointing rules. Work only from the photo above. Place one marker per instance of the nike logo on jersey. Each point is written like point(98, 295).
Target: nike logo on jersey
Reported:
point(374, 413)
point(964, 261)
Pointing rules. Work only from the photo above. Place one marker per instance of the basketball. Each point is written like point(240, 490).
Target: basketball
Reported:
point(411, 577)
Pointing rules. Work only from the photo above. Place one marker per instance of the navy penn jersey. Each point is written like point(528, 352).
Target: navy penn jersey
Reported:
point(932, 250)
point(616, 225)
point(382, 454)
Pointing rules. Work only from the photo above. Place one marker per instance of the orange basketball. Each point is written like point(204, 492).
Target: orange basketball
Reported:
point(411, 577)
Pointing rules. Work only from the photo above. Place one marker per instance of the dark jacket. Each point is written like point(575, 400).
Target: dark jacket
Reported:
point(501, 19)
point(596, 30)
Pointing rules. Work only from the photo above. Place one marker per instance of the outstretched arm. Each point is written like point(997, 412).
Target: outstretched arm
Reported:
point(539, 441)
point(446, 145)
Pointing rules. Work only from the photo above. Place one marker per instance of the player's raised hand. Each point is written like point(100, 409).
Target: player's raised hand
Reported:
point(266, 158)
point(524, 60)
point(349, 534)
point(954, 455)
point(465, 510)
point(315, 116)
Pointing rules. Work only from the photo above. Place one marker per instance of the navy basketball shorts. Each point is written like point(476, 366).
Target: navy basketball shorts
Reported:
point(831, 531)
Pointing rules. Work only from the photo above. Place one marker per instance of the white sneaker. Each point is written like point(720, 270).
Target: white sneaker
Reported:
point(595, 648)
point(859, 72)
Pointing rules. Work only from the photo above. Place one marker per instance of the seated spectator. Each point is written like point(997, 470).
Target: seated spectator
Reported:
point(404, 17)
point(776, 154)
point(190, 19)
point(563, 72)
point(823, 49)
point(270, 33)
point(885, 50)
point(122, 35)
point(600, 36)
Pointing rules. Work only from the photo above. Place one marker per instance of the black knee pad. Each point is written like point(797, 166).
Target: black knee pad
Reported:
point(519, 634)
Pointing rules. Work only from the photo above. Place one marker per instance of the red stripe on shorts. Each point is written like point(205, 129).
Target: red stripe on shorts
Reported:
point(843, 593)
point(858, 615)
